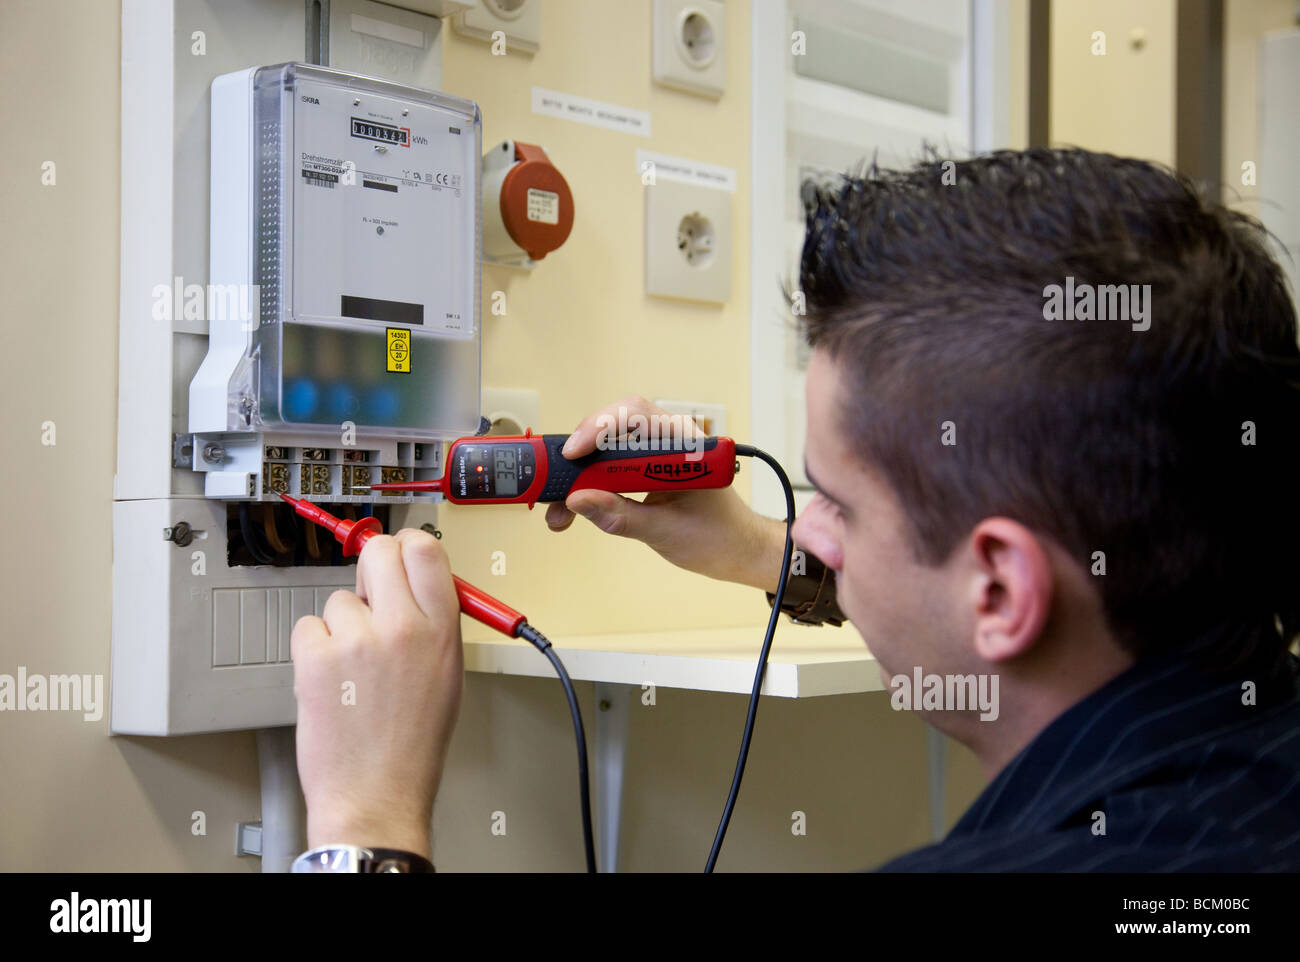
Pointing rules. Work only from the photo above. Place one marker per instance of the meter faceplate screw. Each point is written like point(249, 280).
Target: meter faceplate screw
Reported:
point(180, 532)
point(432, 529)
point(213, 452)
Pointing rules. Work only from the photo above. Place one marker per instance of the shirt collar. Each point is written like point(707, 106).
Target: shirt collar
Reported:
point(1133, 723)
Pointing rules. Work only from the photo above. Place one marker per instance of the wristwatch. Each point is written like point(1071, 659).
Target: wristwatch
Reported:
point(355, 859)
point(809, 598)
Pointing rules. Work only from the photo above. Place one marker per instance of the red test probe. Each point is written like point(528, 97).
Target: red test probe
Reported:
point(480, 606)
point(353, 535)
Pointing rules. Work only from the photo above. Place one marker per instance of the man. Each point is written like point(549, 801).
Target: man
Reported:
point(1054, 422)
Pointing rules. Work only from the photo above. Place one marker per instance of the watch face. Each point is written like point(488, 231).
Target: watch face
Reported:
point(338, 858)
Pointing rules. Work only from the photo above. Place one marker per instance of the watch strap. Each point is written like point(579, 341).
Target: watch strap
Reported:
point(809, 597)
point(397, 860)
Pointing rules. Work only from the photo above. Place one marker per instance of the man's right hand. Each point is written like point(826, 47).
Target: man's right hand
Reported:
point(711, 532)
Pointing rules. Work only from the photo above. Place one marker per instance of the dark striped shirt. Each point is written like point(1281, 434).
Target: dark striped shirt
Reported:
point(1188, 775)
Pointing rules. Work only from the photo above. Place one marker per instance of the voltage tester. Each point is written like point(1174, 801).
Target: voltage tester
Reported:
point(527, 468)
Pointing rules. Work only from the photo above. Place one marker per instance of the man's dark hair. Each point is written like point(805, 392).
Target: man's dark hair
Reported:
point(1173, 450)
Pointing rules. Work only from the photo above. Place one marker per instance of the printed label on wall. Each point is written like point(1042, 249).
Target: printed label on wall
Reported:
point(582, 110)
point(685, 171)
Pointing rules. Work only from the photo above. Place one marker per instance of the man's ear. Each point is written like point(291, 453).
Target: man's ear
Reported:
point(1011, 590)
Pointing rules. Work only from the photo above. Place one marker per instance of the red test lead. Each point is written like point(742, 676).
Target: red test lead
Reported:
point(353, 535)
point(480, 606)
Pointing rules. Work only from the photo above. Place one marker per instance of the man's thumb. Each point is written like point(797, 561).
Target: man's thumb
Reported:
point(611, 513)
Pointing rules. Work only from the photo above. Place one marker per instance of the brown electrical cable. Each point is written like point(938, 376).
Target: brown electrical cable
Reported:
point(313, 546)
point(268, 524)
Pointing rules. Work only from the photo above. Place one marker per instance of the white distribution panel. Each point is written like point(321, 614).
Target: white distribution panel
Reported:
point(299, 313)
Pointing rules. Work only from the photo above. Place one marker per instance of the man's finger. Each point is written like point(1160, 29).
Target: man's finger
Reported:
point(344, 614)
point(558, 517)
point(428, 572)
point(381, 576)
point(308, 632)
point(585, 436)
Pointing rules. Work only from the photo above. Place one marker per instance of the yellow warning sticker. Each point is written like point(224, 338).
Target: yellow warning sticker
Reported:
point(399, 350)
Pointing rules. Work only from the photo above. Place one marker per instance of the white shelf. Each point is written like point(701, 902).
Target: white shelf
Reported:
point(805, 661)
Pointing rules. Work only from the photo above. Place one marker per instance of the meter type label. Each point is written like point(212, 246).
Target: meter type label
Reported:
point(399, 350)
point(543, 206)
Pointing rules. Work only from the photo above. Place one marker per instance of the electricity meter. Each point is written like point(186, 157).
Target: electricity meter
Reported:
point(344, 281)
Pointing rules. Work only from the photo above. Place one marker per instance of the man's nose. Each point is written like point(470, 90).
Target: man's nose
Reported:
point(800, 530)
point(811, 535)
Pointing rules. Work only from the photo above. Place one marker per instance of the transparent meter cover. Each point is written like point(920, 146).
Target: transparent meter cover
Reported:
point(366, 255)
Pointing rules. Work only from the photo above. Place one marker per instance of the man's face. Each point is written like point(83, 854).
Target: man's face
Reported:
point(908, 614)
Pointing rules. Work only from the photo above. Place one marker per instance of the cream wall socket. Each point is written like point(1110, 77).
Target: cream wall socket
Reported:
point(690, 46)
point(519, 20)
point(688, 241)
point(511, 410)
point(712, 418)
